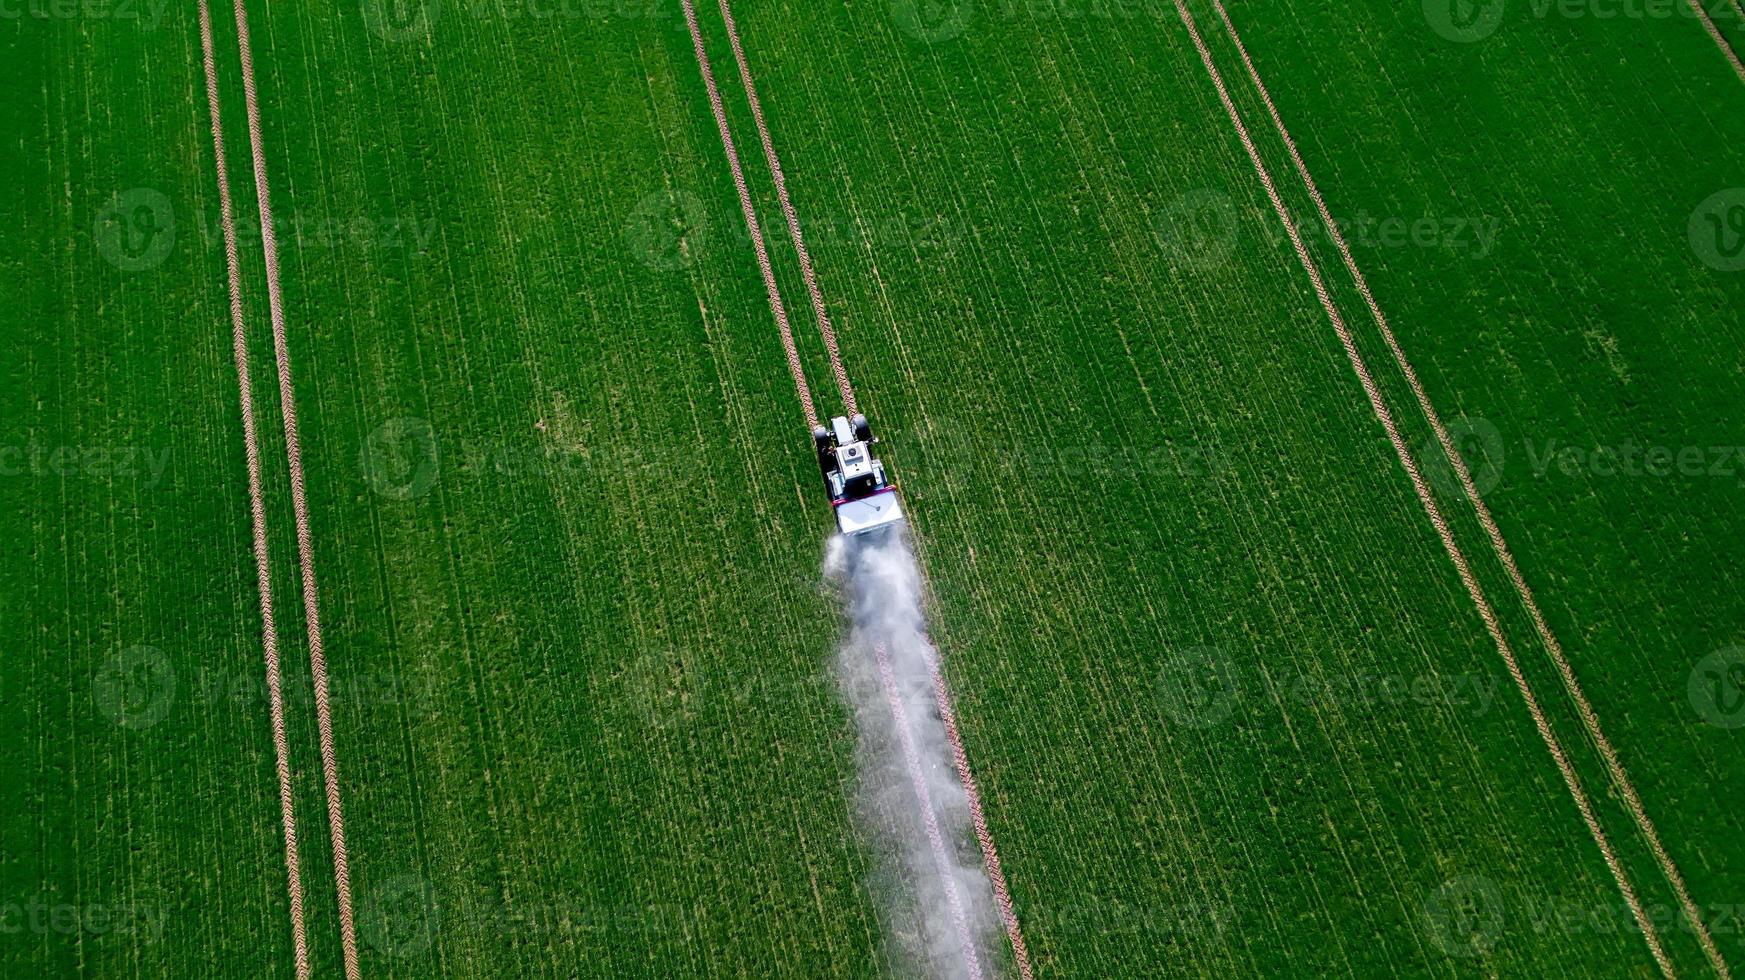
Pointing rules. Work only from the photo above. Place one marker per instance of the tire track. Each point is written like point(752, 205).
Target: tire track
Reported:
point(257, 512)
point(1590, 719)
point(300, 509)
point(1385, 416)
point(1720, 39)
point(929, 817)
point(990, 856)
point(775, 165)
point(774, 292)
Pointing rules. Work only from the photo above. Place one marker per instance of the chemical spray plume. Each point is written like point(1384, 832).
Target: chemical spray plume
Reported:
point(912, 803)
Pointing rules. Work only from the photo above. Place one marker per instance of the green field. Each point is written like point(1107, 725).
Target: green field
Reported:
point(1231, 709)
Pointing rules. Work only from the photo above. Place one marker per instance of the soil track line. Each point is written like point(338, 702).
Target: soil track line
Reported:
point(1720, 39)
point(793, 219)
point(300, 508)
point(1384, 415)
point(1590, 719)
point(751, 224)
point(924, 799)
point(257, 511)
point(990, 856)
